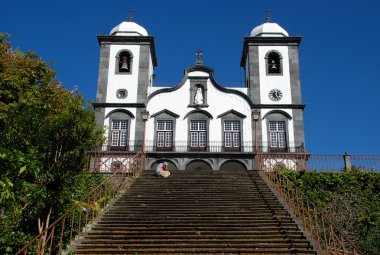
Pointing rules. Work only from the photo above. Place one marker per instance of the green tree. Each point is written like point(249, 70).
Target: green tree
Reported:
point(45, 133)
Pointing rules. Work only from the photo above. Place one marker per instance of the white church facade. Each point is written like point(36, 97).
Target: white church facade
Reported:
point(199, 124)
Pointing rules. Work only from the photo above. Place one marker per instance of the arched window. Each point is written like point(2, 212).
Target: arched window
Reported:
point(277, 123)
point(274, 63)
point(232, 126)
point(119, 125)
point(124, 62)
point(165, 122)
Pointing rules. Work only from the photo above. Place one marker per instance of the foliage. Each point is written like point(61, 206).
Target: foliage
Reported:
point(45, 132)
point(351, 200)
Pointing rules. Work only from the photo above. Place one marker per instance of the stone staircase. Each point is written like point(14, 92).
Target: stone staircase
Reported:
point(197, 212)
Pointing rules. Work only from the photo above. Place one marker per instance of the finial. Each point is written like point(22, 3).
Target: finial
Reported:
point(199, 54)
point(267, 15)
point(130, 14)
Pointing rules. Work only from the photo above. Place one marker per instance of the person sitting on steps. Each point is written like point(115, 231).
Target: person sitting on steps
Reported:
point(162, 170)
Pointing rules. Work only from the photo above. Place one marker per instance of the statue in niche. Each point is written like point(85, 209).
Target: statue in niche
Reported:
point(198, 99)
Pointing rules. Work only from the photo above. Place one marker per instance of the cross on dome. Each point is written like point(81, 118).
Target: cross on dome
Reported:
point(130, 14)
point(267, 14)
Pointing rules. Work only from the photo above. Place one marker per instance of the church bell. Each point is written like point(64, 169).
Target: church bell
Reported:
point(273, 66)
point(124, 64)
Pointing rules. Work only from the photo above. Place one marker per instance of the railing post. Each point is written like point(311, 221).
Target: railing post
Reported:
point(347, 162)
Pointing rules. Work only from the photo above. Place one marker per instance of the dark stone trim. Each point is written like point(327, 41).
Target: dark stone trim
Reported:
point(240, 115)
point(99, 116)
point(201, 68)
point(279, 106)
point(254, 77)
point(120, 110)
point(248, 41)
point(198, 111)
point(130, 105)
point(294, 72)
point(198, 106)
point(167, 112)
point(142, 89)
point(204, 69)
point(143, 74)
point(298, 127)
point(110, 39)
point(101, 94)
point(279, 112)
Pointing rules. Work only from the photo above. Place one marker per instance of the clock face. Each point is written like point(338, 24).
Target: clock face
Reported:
point(275, 95)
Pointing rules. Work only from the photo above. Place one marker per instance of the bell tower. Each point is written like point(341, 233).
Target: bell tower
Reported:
point(127, 60)
point(272, 76)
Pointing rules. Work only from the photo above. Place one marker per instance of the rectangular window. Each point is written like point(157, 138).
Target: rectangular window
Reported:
point(119, 132)
point(232, 135)
point(198, 135)
point(164, 135)
point(277, 134)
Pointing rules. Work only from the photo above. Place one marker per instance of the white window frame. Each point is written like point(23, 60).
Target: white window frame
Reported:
point(198, 134)
point(232, 136)
point(164, 134)
point(277, 134)
point(119, 133)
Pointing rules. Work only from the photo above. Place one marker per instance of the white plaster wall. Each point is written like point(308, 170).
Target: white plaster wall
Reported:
point(218, 101)
point(269, 82)
point(198, 74)
point(153, 89)
point(123, 81)
point(243, 90)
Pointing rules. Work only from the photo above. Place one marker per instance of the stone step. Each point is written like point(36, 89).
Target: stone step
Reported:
point(204, 251)
point(191, 220)
point(100, 235)
point(164, 240)
point(196, 212)
point(198, 231)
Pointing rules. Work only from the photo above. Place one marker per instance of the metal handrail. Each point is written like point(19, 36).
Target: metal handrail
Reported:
point(330, 239)
point(95, 200)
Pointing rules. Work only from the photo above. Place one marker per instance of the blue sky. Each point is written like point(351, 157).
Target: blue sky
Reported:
point(339, 56)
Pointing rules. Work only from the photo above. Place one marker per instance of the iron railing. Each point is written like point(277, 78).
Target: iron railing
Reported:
point(328, 237)
point(72, 225)
point(321, 163)
point(345, 162)
point(210, 146)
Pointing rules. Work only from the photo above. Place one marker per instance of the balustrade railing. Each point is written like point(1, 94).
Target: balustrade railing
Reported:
point(345, 162)
point(57, 237)
point(209, 146)
point(329, 238)
point(321, 163)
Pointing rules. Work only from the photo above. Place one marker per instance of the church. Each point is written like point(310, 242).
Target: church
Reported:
point(199, 124)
